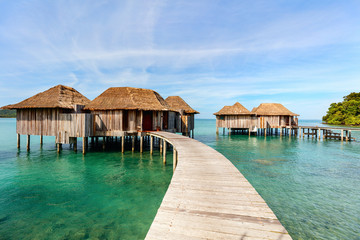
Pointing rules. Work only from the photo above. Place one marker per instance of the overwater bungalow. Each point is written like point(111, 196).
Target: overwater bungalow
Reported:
point(274, 115)
point(234, 118)
point(42, 114)
point(123, 111)
point(184, 117)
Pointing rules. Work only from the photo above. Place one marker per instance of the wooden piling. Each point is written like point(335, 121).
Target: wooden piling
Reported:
point(133, 143)
point(75, 144)
point(217, 131)
point(151, 144)
point(18, 140)
point(59, 146)
point(174, 158)
point(122, 143)
point(28, 143)
point(342, 135)
point(164, 152)
point(41, 140)
point(223, 131)
point(84, 145)
point(141, 143)
point(160, 145)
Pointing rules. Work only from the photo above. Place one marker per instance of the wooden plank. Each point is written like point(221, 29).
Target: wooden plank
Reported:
point(208, 198)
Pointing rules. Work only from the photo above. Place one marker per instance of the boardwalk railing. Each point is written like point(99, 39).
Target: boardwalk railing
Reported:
point(208, 198)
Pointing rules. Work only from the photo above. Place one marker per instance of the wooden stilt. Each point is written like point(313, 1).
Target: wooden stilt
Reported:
point(122, 143)
point(18, 140)
point(160, 145)
point(290, 129)
point(249, 131)
point(265, 130)
point(59, 146)
point(174, 159)
point(41, 140)
point(346, 135)
point(223, 131)
point(342, 135)
point(229, 129)
point(151, 144)
point(141, 143)
point(164, 153)
point(28, 143)
point(299, 132)
point(104, 143)
point(84, 145)
point(133, 143)
point(75, 144)
point(217, 131)
point(193, 133)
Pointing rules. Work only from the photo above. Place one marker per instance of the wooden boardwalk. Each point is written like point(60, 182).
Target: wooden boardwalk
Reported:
point(208, 198)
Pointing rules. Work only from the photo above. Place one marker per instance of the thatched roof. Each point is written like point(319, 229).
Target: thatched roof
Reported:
point(178, 104)
point(56, 97)
point(236, 109)
point(273, 109)
point(128, 98)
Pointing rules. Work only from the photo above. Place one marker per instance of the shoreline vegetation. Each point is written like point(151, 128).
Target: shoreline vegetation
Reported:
point(5, 113)
point(345, 113)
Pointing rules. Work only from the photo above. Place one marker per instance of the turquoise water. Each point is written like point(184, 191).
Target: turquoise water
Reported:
point(44, 195)
point(312, 186)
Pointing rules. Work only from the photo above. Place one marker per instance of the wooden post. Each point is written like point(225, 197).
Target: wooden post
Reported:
point(160, 145)
point(193, 133)
point(290, 129)
point(59, 147)
point(249, 131)
point(104, 143)
point(141, 143)
point(84, 145)
point(164, 153)
point(349, 135)
point(299, 132)
point(223, 131)
point(18, 140)
point(174, 159)
point(217, 131)
point(133, 143)
point(28, 143)
point(342, 135)
point(122, 143)
point(265, 130)
point(229, 129)
point(346, 135)
point(151, 144)
point(75, 144)
point(319, 130)
point(41, 140)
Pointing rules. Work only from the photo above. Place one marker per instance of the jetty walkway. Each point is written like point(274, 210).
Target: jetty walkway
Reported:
point(208, 198)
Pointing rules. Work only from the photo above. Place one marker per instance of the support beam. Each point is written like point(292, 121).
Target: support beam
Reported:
point(151, 144)
point(59, 147)
point(174, 158)
point(164, 153)
point(41, 140)
point(28, 143)
point(160, 145)
point(18, 140)
point(132, 143)
point(342, 135)
point(104, 143)
point(141, 143)
point(84, 145)
point(122, 143)
point(223, 131)
point(319, 131)
point(217, 131)
point(299, 132)
point(75, 144)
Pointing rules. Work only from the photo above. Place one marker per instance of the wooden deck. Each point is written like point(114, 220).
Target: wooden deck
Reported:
point(208, 198)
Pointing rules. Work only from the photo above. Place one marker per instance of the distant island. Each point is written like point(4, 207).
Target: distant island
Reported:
point(346, 112)
point(5, 113)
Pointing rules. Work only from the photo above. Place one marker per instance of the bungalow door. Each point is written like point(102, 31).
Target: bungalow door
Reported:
point(147, 120)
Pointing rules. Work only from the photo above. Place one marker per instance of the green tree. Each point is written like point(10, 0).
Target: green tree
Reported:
point(346, 112)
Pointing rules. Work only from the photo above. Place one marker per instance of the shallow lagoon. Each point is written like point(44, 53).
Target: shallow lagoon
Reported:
point(312, 186)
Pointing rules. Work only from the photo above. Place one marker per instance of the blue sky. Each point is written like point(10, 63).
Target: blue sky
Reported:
point(303, 54)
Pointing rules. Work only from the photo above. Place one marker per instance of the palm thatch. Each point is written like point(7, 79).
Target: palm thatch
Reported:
point(236, 109)
point(272, 109)
point(56, 97)
point(178, 104)
point(128, 98)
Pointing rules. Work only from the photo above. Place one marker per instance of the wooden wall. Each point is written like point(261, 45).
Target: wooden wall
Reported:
point(35, 121)
point(276, 121)
point(236, 121)
point(74, 125)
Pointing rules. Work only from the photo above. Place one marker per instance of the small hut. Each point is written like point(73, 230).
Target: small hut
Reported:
point(235, 117)
point(184, 118)
point(123, 111)
point(41, 114)
point(274, 115)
